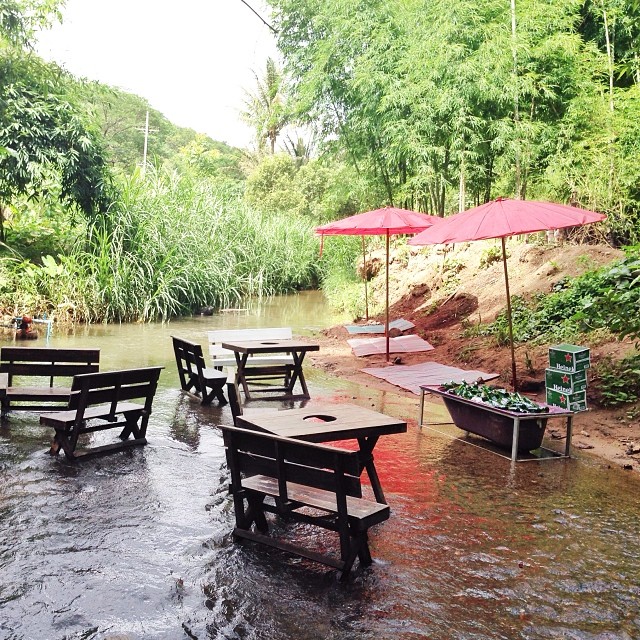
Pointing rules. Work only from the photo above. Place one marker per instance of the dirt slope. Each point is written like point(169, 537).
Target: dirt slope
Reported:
point(443, 291)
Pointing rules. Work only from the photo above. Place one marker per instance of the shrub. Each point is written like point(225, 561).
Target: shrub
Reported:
point(617, 382)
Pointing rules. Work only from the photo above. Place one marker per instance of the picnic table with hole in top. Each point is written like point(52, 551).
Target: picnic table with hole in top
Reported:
point(292, 373)
point(329, 422)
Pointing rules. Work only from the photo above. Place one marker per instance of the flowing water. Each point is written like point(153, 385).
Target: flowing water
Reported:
point(137, 545)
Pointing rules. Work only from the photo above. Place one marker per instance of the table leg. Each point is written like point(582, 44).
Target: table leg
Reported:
point(516, 435)
point(421, 408)
point(298, 374)
point(241, 362)
point(366, 460)
point(567, 446)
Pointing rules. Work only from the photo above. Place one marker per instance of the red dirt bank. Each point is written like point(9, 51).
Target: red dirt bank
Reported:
point(613, 435)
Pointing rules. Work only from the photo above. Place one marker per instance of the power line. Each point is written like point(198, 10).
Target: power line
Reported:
point(259, 16)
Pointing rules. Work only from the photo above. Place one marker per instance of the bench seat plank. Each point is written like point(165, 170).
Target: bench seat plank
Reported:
point(28, 393)
point(230, 360)
point(362, 512)
point(67, 418)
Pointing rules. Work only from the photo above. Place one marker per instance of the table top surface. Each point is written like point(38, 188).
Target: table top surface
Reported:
point(324, 422)
point(554, 412)
point(269, 346)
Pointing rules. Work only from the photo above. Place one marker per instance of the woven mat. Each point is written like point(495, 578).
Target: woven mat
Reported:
point(401, 344)
point(401, 325)
point(412, 376)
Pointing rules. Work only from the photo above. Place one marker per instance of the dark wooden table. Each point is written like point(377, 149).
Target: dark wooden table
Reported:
point(242, 349)
point(327, 422)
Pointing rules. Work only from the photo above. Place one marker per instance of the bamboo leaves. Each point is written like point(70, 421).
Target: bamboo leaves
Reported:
point(443, 104)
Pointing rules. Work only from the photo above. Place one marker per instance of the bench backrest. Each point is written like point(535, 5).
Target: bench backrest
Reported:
point(47, 362)
point(251, 453)
point(264, 333)
point(112, 387)
point(189, 359)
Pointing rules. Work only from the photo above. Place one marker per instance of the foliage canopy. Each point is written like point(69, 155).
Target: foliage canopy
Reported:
point(442, 105)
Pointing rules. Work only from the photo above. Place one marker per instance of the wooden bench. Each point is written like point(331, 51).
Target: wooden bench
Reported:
point(310, 483)
point(102, 401)
point(195, 378)
point(21, 367)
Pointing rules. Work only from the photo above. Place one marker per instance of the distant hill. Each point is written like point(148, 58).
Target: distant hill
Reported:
point(121, 116)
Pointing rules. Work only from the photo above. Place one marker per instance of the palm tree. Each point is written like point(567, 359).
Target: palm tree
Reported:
point(265, 108)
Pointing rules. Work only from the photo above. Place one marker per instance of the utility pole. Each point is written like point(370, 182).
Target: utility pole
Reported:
point(146, 143)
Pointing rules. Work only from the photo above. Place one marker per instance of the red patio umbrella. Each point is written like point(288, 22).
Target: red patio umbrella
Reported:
point(502, 218)
point(381, 222)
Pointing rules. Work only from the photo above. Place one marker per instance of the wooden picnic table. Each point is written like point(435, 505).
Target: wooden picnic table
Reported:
point(328, 422)
point(293, 373)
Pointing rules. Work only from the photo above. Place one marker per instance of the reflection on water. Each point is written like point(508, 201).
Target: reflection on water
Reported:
point(138, 545)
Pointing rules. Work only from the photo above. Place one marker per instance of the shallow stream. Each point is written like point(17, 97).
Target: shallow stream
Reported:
point(137, 545)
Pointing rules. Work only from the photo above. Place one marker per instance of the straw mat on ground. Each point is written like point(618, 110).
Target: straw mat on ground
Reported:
point(411, 377)
point(401, 344)
point(401, 325)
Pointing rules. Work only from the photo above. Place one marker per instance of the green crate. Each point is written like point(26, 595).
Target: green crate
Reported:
point(569, 357)
point(570, 401)
point(565, 381)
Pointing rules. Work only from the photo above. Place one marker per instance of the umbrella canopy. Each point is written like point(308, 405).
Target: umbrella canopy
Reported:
point(381, 222)
point(505, 217)
point(502, 218)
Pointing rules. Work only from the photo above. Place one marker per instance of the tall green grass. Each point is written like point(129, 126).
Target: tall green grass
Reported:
point(168, 246)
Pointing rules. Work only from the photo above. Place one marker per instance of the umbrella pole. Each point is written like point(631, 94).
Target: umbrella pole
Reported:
point(386, 322)
point(509, 316)
point(364, 274)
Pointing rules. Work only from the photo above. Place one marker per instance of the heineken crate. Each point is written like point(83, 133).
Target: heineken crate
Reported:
point(570, 401)
point(569, 357)
point(565, 381)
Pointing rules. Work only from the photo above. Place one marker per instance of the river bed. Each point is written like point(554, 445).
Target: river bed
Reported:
point(137, 545)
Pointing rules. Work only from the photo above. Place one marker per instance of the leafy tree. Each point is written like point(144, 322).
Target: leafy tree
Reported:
point(44, 134)
point(270, 186)
point(210, 159)
point(20, 19)
point(317, 191)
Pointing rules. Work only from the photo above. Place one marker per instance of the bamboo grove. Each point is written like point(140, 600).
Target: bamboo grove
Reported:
point(444, 104)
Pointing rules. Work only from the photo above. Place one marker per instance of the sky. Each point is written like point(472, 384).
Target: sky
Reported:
point(192, 60)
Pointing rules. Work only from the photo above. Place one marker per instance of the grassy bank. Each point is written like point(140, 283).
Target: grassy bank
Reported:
point(168, 246)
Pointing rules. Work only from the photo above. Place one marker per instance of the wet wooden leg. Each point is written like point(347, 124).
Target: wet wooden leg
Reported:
point(366, 458)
